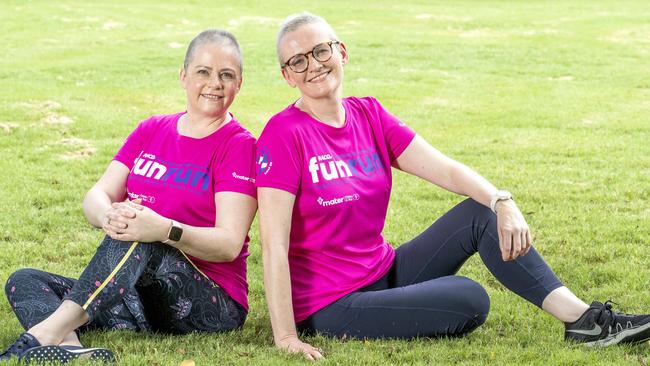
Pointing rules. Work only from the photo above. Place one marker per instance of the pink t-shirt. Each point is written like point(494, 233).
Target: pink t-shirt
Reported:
point(341, 178)
point(177, 177)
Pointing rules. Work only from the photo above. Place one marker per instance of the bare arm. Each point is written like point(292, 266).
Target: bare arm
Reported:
point(276, 207)
point(111, 187)
point(221, 243)
point(424, 161)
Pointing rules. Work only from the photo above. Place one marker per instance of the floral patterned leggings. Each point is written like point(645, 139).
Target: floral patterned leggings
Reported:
point(152, 286)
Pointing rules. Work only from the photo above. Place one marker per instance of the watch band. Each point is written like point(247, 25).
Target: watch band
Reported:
point(500, 195)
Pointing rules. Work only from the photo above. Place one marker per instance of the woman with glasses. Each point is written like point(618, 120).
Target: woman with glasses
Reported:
point(176, 204)
point(324, 181)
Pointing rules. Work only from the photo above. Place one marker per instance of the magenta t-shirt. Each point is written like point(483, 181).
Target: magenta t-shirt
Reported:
point(341, 178)
point(177, 177)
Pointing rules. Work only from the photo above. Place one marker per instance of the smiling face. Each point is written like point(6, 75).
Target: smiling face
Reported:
point(211, 80)
point(321, 79)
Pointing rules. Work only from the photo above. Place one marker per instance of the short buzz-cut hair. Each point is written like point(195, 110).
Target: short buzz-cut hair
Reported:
point(295, 21)
point(218, 36)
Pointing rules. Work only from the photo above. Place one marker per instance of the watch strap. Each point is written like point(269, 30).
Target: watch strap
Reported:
point(499, 195)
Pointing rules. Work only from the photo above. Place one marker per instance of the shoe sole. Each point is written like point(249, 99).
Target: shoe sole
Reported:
point(620, 337)
point(46, 354)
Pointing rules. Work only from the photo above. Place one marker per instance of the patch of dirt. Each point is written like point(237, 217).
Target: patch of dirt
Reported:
point(50, 104)
point(441, 102)
point(535, 32)
point(481, 33)
point(626, 36)
point(174, 45)
point(113, 25)
point(73, 141)
point(79, 154)
point(55, 119)
point(561, 78)
point(7, 127)
point(47, 105)
point(254, 19)
point(443, 18)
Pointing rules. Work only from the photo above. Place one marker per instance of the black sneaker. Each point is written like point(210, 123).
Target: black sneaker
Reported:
point(64, 354)
point(23, 344)
point(601, 327)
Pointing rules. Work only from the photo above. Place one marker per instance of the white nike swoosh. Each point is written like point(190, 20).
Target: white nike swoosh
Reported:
point(592, 332)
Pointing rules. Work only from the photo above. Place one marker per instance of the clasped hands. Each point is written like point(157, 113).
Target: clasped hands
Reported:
point(515, 239)
point(130, 221)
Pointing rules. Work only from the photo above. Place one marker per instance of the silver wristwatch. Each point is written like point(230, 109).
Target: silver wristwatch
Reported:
point(499, 195)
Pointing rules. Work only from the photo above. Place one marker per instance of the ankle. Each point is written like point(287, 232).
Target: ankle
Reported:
point(44, 337)
point(574, 315)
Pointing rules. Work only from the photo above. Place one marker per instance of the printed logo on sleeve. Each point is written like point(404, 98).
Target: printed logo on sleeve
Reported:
point(263, 161)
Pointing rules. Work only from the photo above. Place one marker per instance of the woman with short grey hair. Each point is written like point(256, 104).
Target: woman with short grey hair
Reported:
point(176, 204)
point(324, 182)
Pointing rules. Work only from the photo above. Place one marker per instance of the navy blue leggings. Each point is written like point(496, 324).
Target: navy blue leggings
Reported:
point(421, 297)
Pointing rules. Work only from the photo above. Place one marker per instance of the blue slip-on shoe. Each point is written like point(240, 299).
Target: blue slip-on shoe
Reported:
point(23, 344)
point(64, 354)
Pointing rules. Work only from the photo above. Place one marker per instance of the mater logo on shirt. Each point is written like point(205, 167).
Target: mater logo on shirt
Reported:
point(339, 200)
point(243, 177)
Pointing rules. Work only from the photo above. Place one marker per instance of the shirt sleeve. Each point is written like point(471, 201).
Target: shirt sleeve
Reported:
point(397, 134)
point(132, 146)
point(278, 159)
point(236, 173)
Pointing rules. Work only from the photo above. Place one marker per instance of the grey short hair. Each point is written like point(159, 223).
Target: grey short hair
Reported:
point(219, 36)
point(295, 21)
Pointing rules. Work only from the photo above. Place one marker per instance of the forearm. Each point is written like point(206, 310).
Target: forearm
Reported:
point(277, 285)
point(212, 244)
point(424, 161)
point(110, 188)
point(95, 205)
point(468, 182)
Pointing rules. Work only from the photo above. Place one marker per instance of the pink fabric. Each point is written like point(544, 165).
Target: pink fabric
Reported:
point(341, 178)
point(177, 177)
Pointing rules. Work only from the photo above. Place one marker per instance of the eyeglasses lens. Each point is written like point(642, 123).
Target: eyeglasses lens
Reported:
point(322, 53)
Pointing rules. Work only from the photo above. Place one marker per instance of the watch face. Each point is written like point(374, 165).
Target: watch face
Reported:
point(175, 233)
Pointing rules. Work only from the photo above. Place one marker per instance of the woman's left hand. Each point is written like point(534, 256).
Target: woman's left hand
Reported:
point(143, 224)
point(514, 235)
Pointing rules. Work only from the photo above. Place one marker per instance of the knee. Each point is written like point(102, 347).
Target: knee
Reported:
point(108, 241)
point(20, 277)
point(480, 209)
point(475, 303)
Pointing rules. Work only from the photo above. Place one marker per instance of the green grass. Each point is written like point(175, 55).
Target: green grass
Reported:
point(547, 99)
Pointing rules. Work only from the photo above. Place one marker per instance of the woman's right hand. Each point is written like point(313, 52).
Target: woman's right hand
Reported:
point(295, 345)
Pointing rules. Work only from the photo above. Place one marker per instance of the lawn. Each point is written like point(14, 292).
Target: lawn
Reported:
point(547, 99)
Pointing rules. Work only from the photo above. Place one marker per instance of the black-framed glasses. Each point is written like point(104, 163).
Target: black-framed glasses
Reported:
point(321, 52)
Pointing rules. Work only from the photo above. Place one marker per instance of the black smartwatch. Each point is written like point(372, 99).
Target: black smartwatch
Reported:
point(175, 232)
